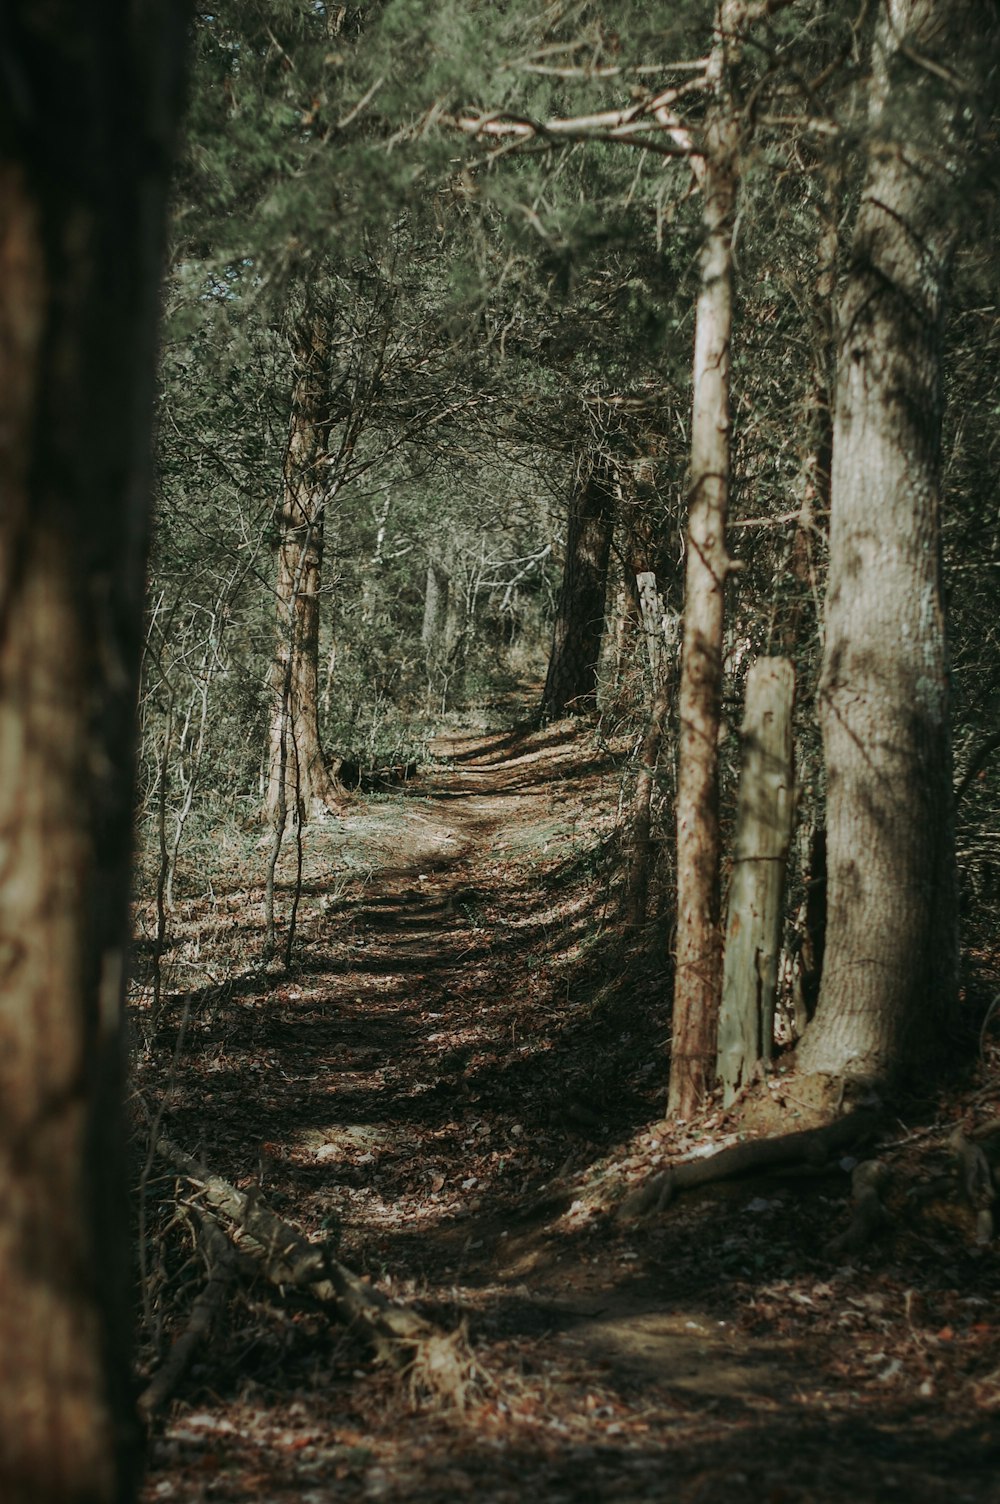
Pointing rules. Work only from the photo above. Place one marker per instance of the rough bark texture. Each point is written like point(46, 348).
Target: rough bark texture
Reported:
point(698, 977)
point(571, 682)
point(891, 948)
point(299, 780)
point(763, 834)
point(86, 125)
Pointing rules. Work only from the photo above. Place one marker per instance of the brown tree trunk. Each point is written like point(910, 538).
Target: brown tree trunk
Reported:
point(85, 140)
point(890, 970)
point(571, 682)
point(299, 779)
point(698, 977)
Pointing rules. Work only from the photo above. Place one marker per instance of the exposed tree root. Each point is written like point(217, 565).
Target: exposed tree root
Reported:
point(812, 1147)
point(869, 1216)
point(433, 1363)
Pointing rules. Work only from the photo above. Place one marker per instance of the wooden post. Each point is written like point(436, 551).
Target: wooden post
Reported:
point(763, 834)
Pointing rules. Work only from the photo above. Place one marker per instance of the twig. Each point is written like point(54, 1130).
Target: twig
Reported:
point(431, 1360)
point(222, 1269)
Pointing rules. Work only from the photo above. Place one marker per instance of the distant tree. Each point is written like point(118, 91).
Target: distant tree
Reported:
point(87, 112)
point(571, 681)
point(298, 776)
point(891, 958)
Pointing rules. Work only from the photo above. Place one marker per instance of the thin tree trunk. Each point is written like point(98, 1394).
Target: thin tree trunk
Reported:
point(698, 977)
point(86, 121)
point(890, 973)
point(571, 682)
point(298, 775)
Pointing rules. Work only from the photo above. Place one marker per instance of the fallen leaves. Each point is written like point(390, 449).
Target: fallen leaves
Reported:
point(412, 1092)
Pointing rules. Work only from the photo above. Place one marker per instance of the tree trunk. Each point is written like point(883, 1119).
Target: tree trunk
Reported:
point(637, 540)
point(436, 595)
point(85, 140)
point(890, 973)
point(299, 780)
point(571, 683)
point(763, 834)
point(698, 977)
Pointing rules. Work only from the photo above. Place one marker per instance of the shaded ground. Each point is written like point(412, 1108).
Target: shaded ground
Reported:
point(457, 1082)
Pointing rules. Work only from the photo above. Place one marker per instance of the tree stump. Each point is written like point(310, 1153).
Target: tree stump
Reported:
point(763, 833)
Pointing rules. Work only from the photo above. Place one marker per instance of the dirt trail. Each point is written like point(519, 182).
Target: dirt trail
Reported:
point(458, 1070)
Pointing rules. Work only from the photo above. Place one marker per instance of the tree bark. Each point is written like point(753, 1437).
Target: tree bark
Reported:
point(571, 682)
point(763, 834)
point(299, 780)
point(436, 595)
point(85, 144)
point(698, 976)
point(890, 972)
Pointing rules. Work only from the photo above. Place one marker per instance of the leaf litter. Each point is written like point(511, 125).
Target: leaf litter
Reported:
point(455, 1088)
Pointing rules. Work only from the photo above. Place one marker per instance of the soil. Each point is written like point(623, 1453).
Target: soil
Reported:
point(457, 1082)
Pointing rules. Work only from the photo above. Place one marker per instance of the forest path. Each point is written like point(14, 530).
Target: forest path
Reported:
point(458, 1077)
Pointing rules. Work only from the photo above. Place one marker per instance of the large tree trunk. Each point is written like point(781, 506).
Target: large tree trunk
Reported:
point(698, 977)
point(86, 121)
point(890, 971)
point(299, 780)
point(571, 683)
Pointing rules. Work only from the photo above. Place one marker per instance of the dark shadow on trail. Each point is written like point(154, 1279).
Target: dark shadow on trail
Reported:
point(521, 736)
point(456, 1080)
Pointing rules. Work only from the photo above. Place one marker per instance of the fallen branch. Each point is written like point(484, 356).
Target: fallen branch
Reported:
point(223, 1266)
point(812, 1146)
point(430, 1359)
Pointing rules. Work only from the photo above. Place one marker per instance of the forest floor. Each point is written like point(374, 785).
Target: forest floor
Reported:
point(458, 1080)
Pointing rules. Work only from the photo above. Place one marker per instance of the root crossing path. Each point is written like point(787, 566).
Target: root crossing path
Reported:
point(456, 1084)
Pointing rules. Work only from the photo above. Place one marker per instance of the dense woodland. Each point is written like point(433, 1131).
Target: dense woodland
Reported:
point(418, 410)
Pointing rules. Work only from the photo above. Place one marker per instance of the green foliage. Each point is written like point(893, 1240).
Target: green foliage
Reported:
point(494, 312)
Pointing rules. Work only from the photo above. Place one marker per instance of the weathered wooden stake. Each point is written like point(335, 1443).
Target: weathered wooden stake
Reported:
point(763, 833)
